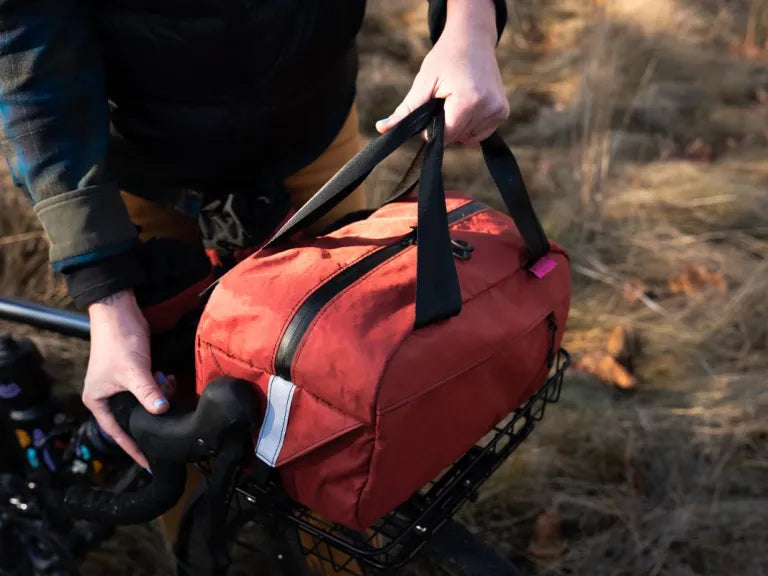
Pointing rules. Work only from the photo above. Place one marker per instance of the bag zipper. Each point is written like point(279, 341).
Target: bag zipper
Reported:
point(315, 302)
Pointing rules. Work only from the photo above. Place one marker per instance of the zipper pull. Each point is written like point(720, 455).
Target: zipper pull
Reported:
point(553, 333)
point(462, 249)
point(410, 240)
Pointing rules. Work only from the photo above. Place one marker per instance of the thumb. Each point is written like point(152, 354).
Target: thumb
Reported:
point(420, 93)
point(146, 390)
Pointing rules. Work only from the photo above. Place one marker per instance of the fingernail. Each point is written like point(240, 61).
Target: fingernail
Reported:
point(160, 402)
point(383, 121)
point(169, 388)
point(160, 377)
point(148, 469)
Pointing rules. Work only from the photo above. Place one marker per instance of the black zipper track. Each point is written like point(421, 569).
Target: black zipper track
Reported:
point(316, 301)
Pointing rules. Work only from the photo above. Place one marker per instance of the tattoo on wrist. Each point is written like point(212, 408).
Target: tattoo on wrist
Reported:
point(111, 299)
point(108, 301)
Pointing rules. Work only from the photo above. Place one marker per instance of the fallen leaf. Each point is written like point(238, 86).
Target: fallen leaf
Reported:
point(624, 346)
point(696, 279)
point(606, 368)
point(547, 541)
point(617, 341)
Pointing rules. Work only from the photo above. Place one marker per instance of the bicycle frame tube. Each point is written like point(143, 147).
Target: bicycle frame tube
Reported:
point(45, 317)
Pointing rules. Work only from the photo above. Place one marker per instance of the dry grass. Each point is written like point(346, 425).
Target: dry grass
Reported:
point(642, 128)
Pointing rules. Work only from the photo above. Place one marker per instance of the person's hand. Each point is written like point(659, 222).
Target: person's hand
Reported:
point(120, 361)
point(462, 69)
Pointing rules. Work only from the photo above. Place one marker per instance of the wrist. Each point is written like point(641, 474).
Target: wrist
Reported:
point(118, 307)
point(471, 19)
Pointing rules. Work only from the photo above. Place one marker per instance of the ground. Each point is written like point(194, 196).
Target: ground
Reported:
point(642, 130)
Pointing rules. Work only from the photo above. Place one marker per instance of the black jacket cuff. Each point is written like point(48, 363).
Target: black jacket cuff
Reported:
point(438, 11)
point(93, 282)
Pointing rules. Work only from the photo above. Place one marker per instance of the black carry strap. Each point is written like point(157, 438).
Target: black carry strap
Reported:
point(438, 295)
point(352, 174)
point(506, 175)
point(437, 288)
point(410, 179)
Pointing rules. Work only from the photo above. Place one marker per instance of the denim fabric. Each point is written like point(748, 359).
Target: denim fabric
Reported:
point(54, 121)
point(53, 106)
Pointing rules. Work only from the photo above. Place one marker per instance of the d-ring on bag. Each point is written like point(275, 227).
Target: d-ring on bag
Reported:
point(386, 349)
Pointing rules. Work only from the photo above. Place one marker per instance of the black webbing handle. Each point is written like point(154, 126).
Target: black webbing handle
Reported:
point(437, 289)
point(438, 295)
point(506, 175)
point(352, 174)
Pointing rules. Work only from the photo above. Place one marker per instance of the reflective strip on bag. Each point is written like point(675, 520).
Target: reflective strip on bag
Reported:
point(272, 433)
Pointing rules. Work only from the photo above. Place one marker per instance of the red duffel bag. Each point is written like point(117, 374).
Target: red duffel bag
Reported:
point(385, 349)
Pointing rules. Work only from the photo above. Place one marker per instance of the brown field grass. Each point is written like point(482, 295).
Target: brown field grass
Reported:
point(642, 130)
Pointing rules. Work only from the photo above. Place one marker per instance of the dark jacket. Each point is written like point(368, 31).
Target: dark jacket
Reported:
point(168, 99)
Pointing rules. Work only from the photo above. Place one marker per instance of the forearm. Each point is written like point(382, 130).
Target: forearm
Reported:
point(474, 19)
point(54, 121)
point(484, 17)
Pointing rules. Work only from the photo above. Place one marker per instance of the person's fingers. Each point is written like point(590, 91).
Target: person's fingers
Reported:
point(106, 420)
point(167, 383)
point(492, 111)
point(459, 114)
point(476, 135)
point(142, 385)
point(421, 91)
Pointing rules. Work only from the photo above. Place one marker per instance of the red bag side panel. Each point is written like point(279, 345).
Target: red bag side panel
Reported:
point(421, 434)
point(419, 438)
point(330, 479)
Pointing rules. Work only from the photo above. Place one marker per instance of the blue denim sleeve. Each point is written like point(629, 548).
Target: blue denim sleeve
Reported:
point(54, 128)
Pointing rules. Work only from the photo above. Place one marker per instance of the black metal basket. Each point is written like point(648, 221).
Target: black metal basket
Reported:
point(397, 537)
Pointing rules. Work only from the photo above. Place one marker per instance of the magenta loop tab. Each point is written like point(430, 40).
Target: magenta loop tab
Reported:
point(543, 267)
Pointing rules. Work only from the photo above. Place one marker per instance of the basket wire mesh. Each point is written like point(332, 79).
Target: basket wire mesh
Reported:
point(394, 539)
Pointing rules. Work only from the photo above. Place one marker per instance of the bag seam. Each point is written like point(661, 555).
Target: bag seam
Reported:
point(215, 360)
point(466, 369)
point(213, 347)
point(338, 434)
point(369, 467)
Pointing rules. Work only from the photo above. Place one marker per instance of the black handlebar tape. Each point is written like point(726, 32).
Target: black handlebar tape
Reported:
point(227, 406)
point(144, 505)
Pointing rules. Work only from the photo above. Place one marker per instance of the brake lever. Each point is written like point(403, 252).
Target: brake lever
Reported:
point(233, 453)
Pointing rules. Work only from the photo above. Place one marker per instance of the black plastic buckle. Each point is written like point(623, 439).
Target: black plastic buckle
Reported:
point(462, 249)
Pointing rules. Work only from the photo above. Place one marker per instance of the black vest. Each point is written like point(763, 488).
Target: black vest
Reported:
point(220, 95)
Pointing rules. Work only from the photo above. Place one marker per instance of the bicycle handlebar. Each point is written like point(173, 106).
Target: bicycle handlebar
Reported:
point(222, 425)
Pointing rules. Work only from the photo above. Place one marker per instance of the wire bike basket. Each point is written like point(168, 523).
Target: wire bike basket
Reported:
point(394, 539)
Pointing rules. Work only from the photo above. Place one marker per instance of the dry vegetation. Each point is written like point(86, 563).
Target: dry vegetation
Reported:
point(642, 129)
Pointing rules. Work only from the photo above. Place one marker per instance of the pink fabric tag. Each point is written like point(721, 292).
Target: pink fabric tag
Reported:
point(543, 267)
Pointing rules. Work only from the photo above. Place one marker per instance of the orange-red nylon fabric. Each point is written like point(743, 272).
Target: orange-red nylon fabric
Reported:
point(379, 408)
